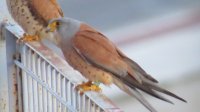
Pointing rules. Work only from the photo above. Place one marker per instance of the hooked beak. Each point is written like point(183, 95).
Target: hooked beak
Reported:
point(52, 27)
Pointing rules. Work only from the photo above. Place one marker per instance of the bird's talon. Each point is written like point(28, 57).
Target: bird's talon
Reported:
point(95, 88)
point(88, 86)
point(28, 38)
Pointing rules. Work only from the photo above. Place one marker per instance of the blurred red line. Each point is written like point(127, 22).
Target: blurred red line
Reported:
point(168, 26)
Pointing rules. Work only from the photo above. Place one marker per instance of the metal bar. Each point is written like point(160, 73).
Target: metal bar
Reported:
point(19, 85)
point(44, 91)
point(63, 94)
point(29, 82)
point(30, 73)
point(49, 99)
point(54, 88)
point(58, 83)
point(35, 85)
point(8, 86)
point(24, 81)
point(39, 72)
point(4, 95)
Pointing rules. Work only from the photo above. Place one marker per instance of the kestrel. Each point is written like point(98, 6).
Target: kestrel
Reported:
point(33, 17)
point(99, 60)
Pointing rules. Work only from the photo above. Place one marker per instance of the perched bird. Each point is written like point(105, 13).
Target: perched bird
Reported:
point(33, 17)
point(99, 60)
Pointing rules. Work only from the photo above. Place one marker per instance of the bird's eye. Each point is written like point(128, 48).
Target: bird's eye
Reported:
point(53, 26)
point(57, 23)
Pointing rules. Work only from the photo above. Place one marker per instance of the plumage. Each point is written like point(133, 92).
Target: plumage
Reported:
point(113, 62)
point(98, 59)
point(33, 15)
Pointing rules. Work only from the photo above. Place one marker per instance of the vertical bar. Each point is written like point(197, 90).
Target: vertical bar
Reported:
point(40, 94)
point(83, 103)
point(67, 91)
point(24, 81)
point(98, 109)
point(58, 78)
point(4, 94)
point(80, 97)
point(49, 78)
point(30, 83)
point(44, 91)
point(8, 78)
point(71, 94)
point(19, 86)
point(54, 88)
point(86, 104)
point(35, 85)
point(101, 110)
point(89, 105)
point(76, 98)
point(63, 92)
point(4, 86)
point(94, 107)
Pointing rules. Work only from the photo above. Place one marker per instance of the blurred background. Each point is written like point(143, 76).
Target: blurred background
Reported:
point(161, 36)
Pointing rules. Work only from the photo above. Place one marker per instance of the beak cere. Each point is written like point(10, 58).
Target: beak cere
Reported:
point(52, 26)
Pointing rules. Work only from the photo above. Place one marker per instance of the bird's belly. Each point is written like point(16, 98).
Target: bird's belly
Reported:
point(88, 70)
point(22, 14)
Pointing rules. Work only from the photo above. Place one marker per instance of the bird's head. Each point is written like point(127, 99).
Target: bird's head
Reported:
point(62, 23)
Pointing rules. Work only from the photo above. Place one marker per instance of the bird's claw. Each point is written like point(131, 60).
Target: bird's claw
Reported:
point(28, 38)
point(88, 86)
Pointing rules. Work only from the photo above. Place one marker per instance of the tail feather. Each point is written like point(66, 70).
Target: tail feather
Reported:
point(136, 67)
point(148, 84)
point(157, 88)
point(142, 100)
point(147, 89)
point(134, 93)
point(139, 70)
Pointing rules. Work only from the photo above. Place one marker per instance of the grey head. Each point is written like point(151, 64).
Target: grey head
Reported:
point(66, 27)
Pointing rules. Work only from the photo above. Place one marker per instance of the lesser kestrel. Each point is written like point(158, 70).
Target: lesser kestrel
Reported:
point(99, 60)
point(33, 17)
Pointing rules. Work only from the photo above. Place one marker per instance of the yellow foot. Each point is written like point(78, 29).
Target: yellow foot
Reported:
point(88, 86)
point(28, 38)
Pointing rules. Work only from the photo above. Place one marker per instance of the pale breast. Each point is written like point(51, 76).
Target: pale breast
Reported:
point(21, 12)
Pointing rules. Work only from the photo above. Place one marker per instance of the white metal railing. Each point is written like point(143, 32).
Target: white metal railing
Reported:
point(45, 82)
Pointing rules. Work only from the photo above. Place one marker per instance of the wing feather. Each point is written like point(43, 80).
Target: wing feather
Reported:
point(98, 50)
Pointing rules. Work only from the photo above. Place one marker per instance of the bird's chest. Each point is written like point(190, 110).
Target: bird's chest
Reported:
point(21, 12)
